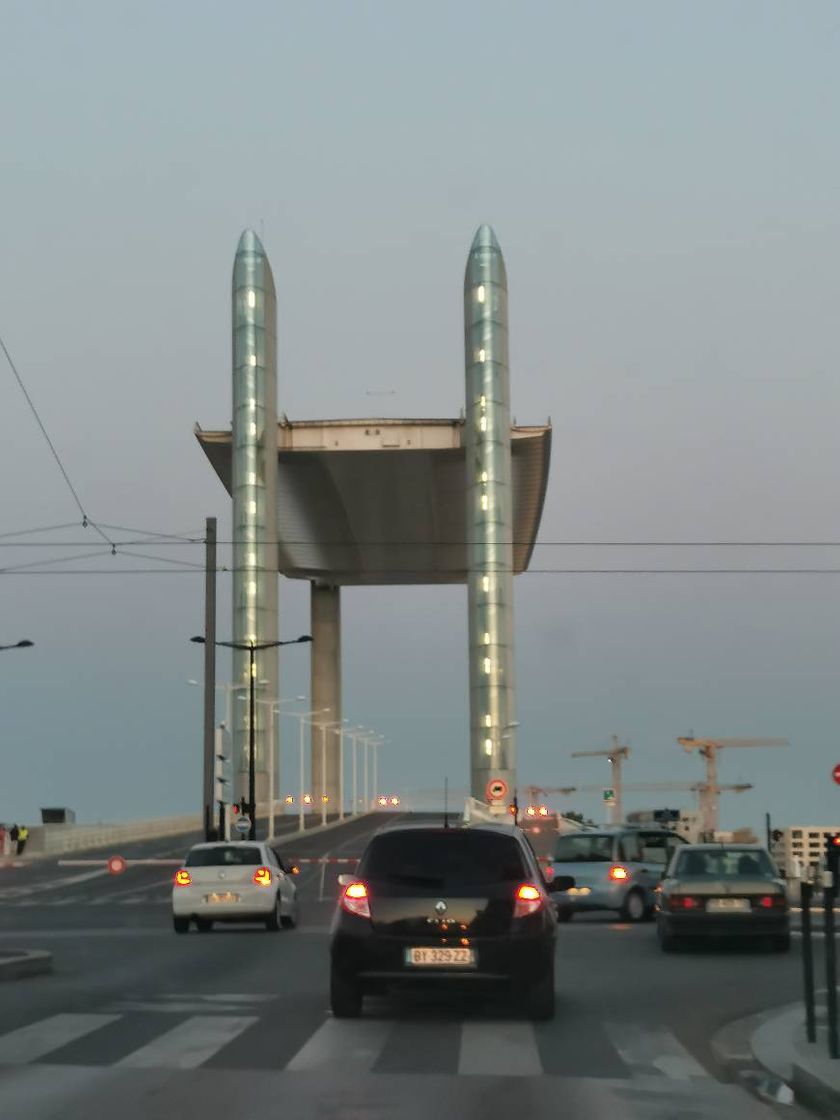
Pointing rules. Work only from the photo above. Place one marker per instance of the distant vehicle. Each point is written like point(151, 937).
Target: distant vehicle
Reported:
point(442, 905)
point(722, 890)
point(614, 869)
point(542, 828)
point(236, 881)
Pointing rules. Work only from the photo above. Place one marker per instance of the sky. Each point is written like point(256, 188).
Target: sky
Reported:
point(663, 178)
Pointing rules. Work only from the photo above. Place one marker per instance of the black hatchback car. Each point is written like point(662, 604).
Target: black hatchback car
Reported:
point(444, 905)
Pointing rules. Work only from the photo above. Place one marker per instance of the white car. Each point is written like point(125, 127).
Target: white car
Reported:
point(234, 881)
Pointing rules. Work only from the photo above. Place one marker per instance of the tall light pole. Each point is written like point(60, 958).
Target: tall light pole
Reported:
point(333, 724)
point(304, 717)
point(274, 706)
point(253, 648)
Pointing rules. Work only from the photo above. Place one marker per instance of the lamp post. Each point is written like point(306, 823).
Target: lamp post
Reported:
point(304, 718)
point(273, 706)
point(333, 724)
point(252, 648)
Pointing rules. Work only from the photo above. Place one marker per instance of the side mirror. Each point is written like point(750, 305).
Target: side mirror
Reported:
point(346, 879)
point(561, 883)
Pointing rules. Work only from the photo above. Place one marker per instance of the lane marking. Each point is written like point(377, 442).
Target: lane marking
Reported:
point(342, 1047)
point(28, 1044)
point(499, 1049)
point(653, 1050)
point(190, 1044)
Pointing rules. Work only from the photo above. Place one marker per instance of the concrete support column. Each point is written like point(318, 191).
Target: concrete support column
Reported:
point(326, 692)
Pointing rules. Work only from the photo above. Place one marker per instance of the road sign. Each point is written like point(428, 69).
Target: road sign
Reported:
point(242, 825)
point(835, 773)
point(496, 789)
point(116, 865)
point(609, 797)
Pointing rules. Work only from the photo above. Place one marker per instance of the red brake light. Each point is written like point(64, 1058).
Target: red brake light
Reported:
point(182, 878)
point(684, 902)
point(262, 877)
point(619, 874)
point(527, 900)
point(355, 900)
point(770, 901)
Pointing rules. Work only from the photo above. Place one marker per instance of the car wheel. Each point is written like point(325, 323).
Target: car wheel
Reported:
point(634, 908)
point(274, 920)
point(203, 925)
point(345, 996)
point(289, 921)
point(180, 925)
point(540, 997)
point(781, 943)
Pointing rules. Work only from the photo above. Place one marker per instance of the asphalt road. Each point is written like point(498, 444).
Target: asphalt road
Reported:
point(140, 1023)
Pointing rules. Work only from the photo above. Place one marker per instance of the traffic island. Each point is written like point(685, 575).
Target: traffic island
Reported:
point(16, 964)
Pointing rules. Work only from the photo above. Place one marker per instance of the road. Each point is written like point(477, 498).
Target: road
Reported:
point(138, 1022)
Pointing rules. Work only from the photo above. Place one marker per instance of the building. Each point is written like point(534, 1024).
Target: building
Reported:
point(801, 846)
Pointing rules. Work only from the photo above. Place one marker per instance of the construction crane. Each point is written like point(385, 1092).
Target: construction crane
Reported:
point(710, 789)
point(616, 754)
point(534, 792)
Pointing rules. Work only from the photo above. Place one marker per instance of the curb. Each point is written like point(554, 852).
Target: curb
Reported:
point(18, 963)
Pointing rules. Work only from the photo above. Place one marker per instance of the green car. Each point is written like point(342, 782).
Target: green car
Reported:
point(722, 891)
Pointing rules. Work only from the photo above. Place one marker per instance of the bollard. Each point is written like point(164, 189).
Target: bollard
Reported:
point(806, 891)
point(830, 965)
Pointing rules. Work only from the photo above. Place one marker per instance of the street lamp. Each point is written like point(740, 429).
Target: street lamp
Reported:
point(333, 724)
point(273, 706)
point(23, 644)
point(252, 648)
point(304, 718)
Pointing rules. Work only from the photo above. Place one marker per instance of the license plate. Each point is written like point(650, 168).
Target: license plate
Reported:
point(727, 905)
point(221, 896)
point(440, 956)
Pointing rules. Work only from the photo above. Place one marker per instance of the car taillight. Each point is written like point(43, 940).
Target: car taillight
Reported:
point(182, 878)
point(684, 902)
point(262, 877)
point(619, 874)
point(771, 902)
point(355, 900)
point(527, 900)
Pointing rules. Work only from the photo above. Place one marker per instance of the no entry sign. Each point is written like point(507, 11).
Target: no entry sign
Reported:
point(496, 789)
point(835, 773)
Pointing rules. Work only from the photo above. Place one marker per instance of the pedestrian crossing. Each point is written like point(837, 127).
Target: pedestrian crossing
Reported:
point(246, 1032)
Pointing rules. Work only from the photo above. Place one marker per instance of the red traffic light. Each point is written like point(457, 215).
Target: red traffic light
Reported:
point(234, 809)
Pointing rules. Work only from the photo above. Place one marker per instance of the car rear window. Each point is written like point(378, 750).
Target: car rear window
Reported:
point(581, 847)
point(452, 858)
point(224, 857)
point(724, 864)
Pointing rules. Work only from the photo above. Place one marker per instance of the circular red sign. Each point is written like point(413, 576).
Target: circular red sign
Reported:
point(496, 789)
point(835, 773)
point(116, 865)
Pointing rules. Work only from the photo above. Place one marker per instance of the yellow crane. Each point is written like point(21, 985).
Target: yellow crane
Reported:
point(616, 754)
point(709, 790)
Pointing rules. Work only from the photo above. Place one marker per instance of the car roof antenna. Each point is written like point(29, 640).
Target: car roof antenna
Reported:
point(445, 801)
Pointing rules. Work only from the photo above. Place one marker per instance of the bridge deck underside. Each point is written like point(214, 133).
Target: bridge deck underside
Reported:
point(356, 514)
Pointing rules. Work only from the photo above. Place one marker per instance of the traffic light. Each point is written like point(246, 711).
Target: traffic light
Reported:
point(234, 809)
point(832, 854)
point(777, 834)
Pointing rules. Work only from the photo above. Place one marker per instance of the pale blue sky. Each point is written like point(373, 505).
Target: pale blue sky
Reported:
point(664, 181)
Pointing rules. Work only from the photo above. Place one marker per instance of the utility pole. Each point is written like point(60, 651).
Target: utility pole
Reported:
point(616, 754)
point(209, 674)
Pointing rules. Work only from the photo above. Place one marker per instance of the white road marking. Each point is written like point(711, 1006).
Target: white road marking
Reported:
point(28, 1044)
point(499, 1049)
point(342, 1047)
point(190, 1044)
point(652, 1050)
